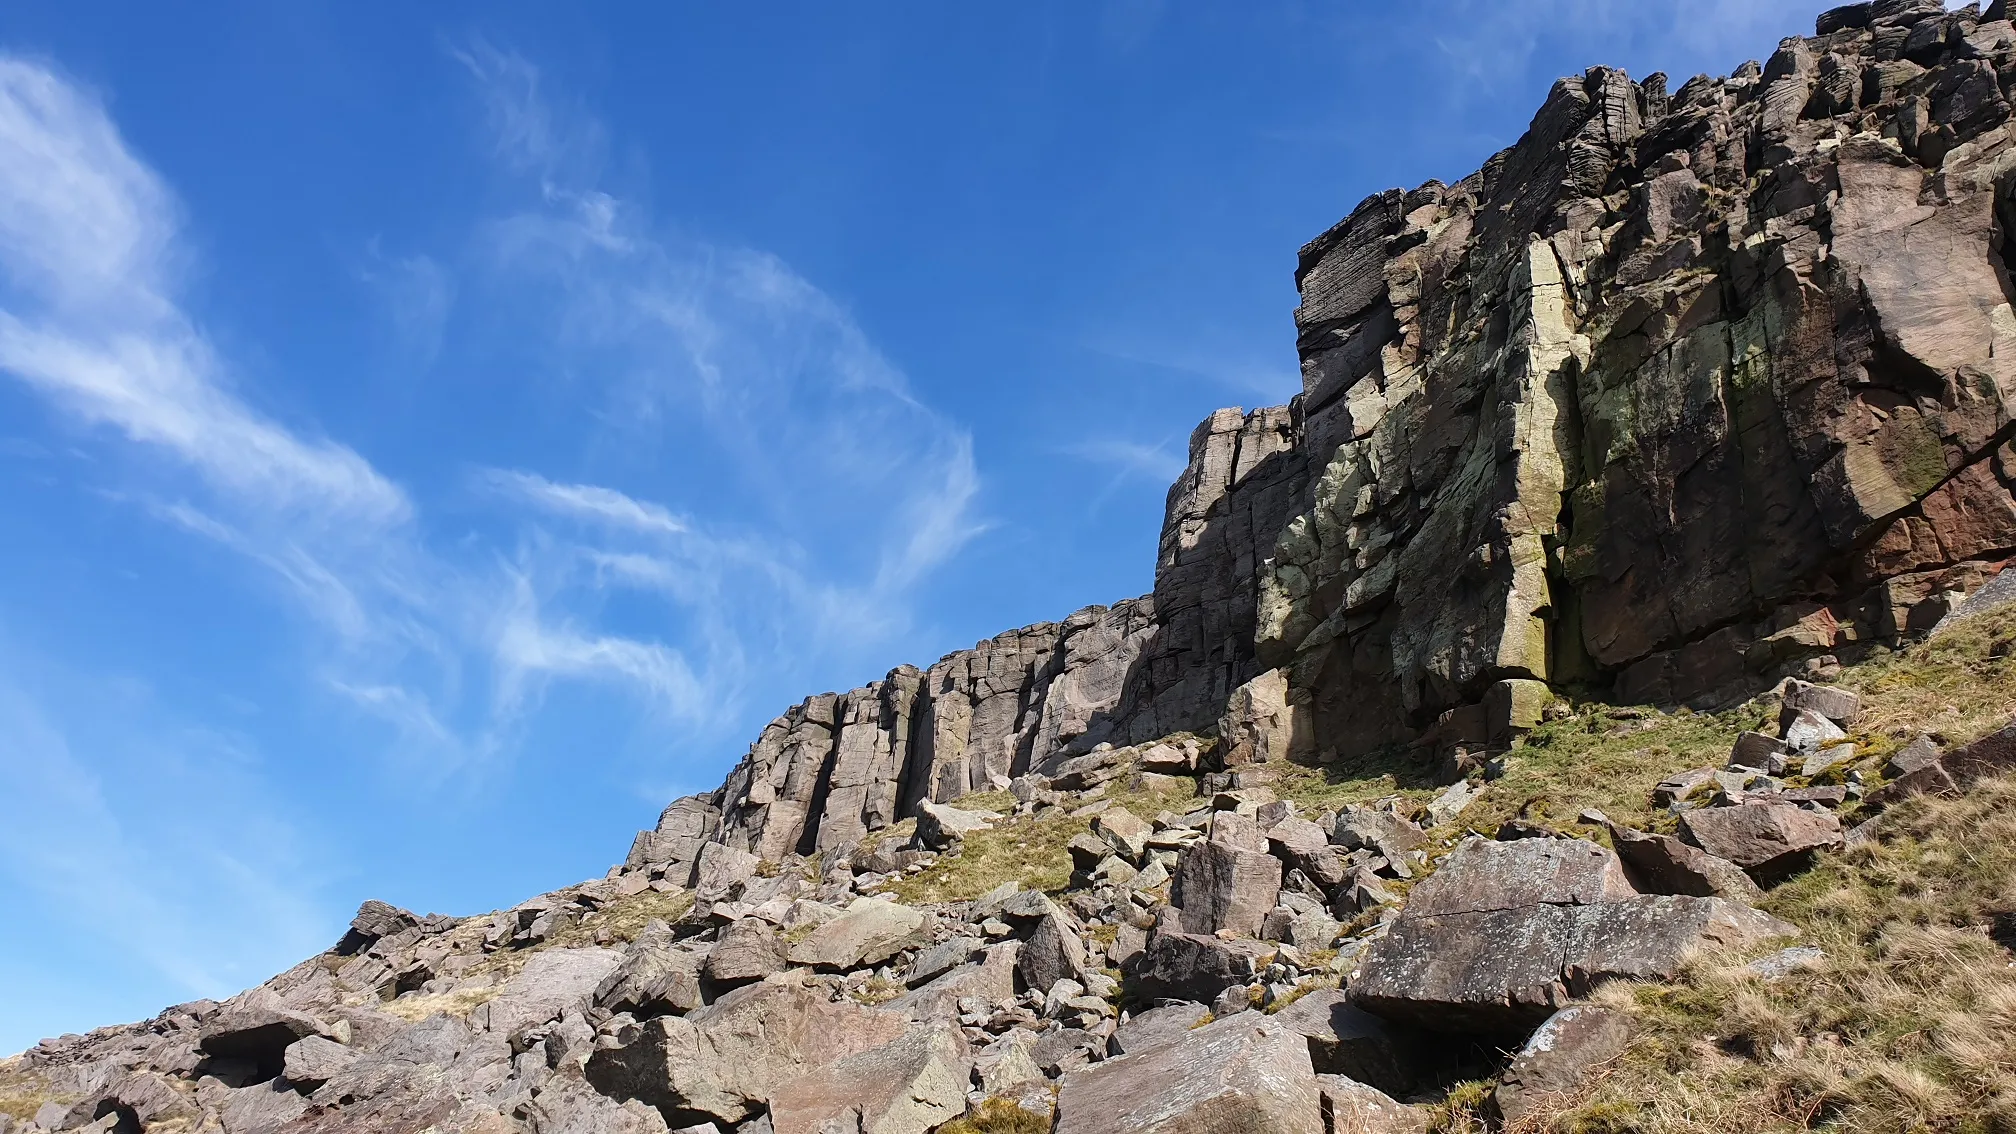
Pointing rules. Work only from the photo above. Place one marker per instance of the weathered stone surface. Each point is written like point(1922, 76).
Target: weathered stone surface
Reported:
point(1482, 875)
point(1499, 971)
point(868, 932)
point(312, 1061)
point(1245, 1073)
point(1157, 1026)
point(256, 1033)
point(1126, 832)
point(1921, 769)
point(939, 826)
point(1189, 966)
point(1766, 754)
point(1052, 953)
point(1836, 704)
point(720, 1063)
point(908, 1086)
point(991, 979)
point(1662, 864)
point(566, 1104)
point(1260, 725)
point(1558, 1057)
point(374, 920)
point(552, 982)
point(1767, 839)
point(1221, 887)
point(1346, 1040)
point(1360, 828)
point(652, 978)
point(1351, 1107)
point(749, 949)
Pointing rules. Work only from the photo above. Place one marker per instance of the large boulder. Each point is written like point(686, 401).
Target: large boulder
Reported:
point(1156, 1026)
point(1192, 966)
point(552, 982)
point(1369, 828)
point(1503, 971)
point(1246, 1073)
point(908, 1086)
point(868, 932)
point(375, 920)
point(1770, 840)
point(1502, 934)
point(1921, 770)
point(748, 950)
point(654, 977)
point(257, 1035)
point(939, 826)
point(1052, 953)
point(991, 979)
point(720, 1063)
point(1260, 724)
point(1220, 887)
point(312, 1061)
point(1558, 1057)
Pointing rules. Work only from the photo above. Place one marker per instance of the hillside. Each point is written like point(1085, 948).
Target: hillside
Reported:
point(1586, 707)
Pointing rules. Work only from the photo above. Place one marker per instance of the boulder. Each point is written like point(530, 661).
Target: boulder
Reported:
point(1808, 731)
point(566, 1104)
point(748, 950)
point(1679, 788)
point(1052, 953)
point(374, 920)
point(942, 958)
point(1126, 832)
point(1189, 966)
point(868, 932)
point(1156, 1026)
point(939, 826)
point(1501, 971)
point(1351, 1107)
point(552, 982)
point(1835, 704)
point(1921, 770)
point(1306, 847)
point(1483, 875)
point(1762, 753)
point(1246, 1073)
point(1662, 864)
point(1347, 1040)
point(720, 1063)
point(1368, 828)
point(654, 977)
point(908, 1086)
point(722, 871)
point(1770, 840)
point(991, 979)
point(1557, 1058)
point(1219, 887)
point(312, 1061)
point(1260, 725)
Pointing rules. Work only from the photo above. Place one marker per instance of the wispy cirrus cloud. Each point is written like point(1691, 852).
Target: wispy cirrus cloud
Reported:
point(586, 501)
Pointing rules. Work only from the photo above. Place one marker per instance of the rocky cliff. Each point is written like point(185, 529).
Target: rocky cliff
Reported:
point(1664, 439)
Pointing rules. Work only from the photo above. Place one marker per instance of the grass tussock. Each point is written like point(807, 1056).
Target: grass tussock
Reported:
point(999, 1116)
point(621, 921)
point(1909, 1025)
point(1025, 849)
point(415, 1007)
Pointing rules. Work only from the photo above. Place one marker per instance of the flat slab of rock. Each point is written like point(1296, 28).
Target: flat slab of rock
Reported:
point(258, 1035)
point(1503, 971)
point(908, 1086)
point(1156, 1026)
point(1483, 875)
point(1246, 1073)
point(939, 826)
point(868, 932)
point(720, 1063)
point(313, 1060)
point(1558, 1057)
point(1769, 840)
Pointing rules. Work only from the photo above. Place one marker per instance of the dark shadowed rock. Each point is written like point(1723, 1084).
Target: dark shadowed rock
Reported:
point(258, 1035)
point(1189, 966)
point(1346, 1040)
point(374, 920)
point(1245, 1073)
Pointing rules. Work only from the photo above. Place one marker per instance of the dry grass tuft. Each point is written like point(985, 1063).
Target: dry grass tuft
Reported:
point(998, 1116)
point(23, 1091)
point(1910, 1025)
point(622, 920)
point(416, 1007)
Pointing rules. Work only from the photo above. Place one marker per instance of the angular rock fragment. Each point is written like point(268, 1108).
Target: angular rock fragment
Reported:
point(868, 932)
point(747, 950)
point(1662, 864)
point(720, 1063)
point(1831, 702)
point(258, 1035)
point(1346, 1040)
point(1557, 1058)
point(1245, 1073)
point(939, 826)
point(1770, 840)
point(1351, 1107)
point(654, 977)
point(1052, 953)
point(312, 1061)
point(909, 1086)
point(1221, 887)
point(1188, 966)
point(374, 920)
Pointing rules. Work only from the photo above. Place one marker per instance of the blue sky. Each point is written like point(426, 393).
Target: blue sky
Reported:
point(433, 437)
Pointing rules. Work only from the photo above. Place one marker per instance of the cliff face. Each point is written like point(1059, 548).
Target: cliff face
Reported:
point(1679, 389)
point(1682, 391)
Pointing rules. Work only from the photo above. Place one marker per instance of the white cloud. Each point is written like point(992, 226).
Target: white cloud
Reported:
point(87, 240)
point(586, 501)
